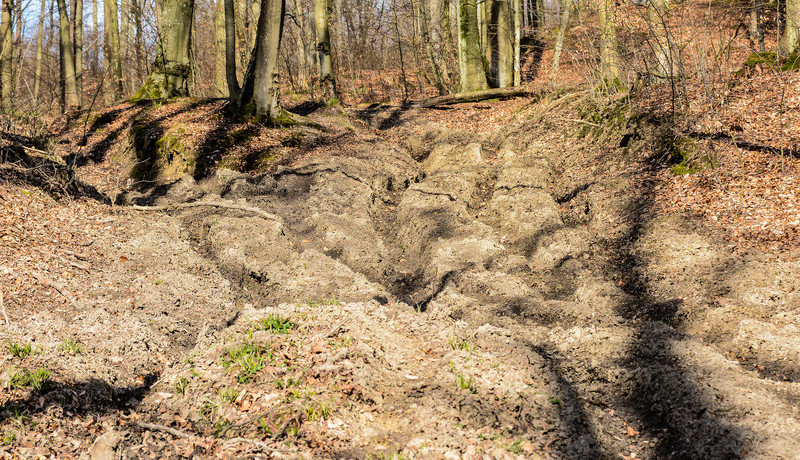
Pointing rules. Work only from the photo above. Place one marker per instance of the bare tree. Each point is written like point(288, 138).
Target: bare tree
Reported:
point(172, 68)
point(6, 55)
point(69, 74)
point(470, 65)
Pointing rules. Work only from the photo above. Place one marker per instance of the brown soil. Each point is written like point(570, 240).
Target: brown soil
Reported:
point(456, 287)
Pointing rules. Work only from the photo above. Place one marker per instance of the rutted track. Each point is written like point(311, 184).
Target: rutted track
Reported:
point(497, 230)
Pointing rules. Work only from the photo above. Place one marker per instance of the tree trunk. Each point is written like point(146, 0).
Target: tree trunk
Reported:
point(791, 34)
point(138, 42)
point(231, 79)
point(667, 65)
point(470, 65)
point(95, 64)
point(562, 30)
point(124, 44)
point(609, 54)
point(71, 100)
point(78, 48)
point(503, 62)
point(327, 82)
point(300, 42)
point(37, 82)
point(113, 67)
point(400, 51)
point(756, 27)
point(266, 94)
point(517, 42)
point(433, 60)
point(6, 56)
point(472, 96)
point(219, 47)
point(172, 67)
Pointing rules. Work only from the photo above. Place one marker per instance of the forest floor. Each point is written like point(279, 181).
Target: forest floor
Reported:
point(510, 279)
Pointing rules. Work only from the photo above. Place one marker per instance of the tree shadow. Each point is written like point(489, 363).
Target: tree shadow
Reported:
point(675, 408)
point(92, 396)
point(41, 170)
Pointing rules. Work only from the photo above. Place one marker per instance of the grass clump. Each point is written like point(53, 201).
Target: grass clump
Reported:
point(9, 438)
point(70, 346)
point(20, 351)
point(275, 324)
point(36, 380)
point(248, 358)
point(461, 344)
point(319, 412)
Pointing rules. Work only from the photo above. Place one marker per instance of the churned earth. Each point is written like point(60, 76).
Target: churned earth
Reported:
point(395, 287)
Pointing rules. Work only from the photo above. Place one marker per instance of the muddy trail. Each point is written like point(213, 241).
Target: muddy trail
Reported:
point(449, 293)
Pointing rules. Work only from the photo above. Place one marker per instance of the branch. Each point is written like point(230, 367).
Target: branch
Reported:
point(473, 96)
point(156, 427)
point(215, 204)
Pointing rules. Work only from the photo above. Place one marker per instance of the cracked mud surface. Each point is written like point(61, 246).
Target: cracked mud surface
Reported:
point(591, 327)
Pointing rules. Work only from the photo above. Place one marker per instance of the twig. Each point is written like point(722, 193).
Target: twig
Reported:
point(576, 120)
point(3, 307)
point(63, 259)
point(259, 444)
point(157, 427)
point(48, 282)
point(250, 420)
point(329, 334)
point(216, 204)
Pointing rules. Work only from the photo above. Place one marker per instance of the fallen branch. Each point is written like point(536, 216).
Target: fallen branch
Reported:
point(3, 307)
point(166, 429)
point(50, 283)
point(473, 96)
point(248, 421)
point(214, 204)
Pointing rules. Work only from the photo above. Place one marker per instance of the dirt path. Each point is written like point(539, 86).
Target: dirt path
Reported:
point(510, 294)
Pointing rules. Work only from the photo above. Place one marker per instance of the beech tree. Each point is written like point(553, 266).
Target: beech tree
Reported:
point(113, 66)
point(68, 71)
point(790, 41)
point(326, 79)
point(172, 67)
point(6, 56)
point(470, 65)
point(609, 54)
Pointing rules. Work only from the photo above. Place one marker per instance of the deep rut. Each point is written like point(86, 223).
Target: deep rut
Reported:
point(513, 239)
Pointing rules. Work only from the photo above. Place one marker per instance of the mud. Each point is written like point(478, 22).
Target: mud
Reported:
point(615, 331)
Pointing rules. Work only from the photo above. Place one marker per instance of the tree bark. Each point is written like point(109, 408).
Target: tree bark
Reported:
point(71, 100)
point(503, 62)
point(124, 44)
point(266, 94)
point(756, 27)
point(609, 54)
point(172, 68)
point(6, 57)
point(37, 82)
point(327, 81)
point(433, 60)
point(219, 47)
point(562, 30)
point(472, 96)
point(300, 42)
point(470, 65)
point(78, 48)
point(95, 64)
point(791, 33)
point(113, 67)
point(667, 65)
point(231, 78)
point(517, 42)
